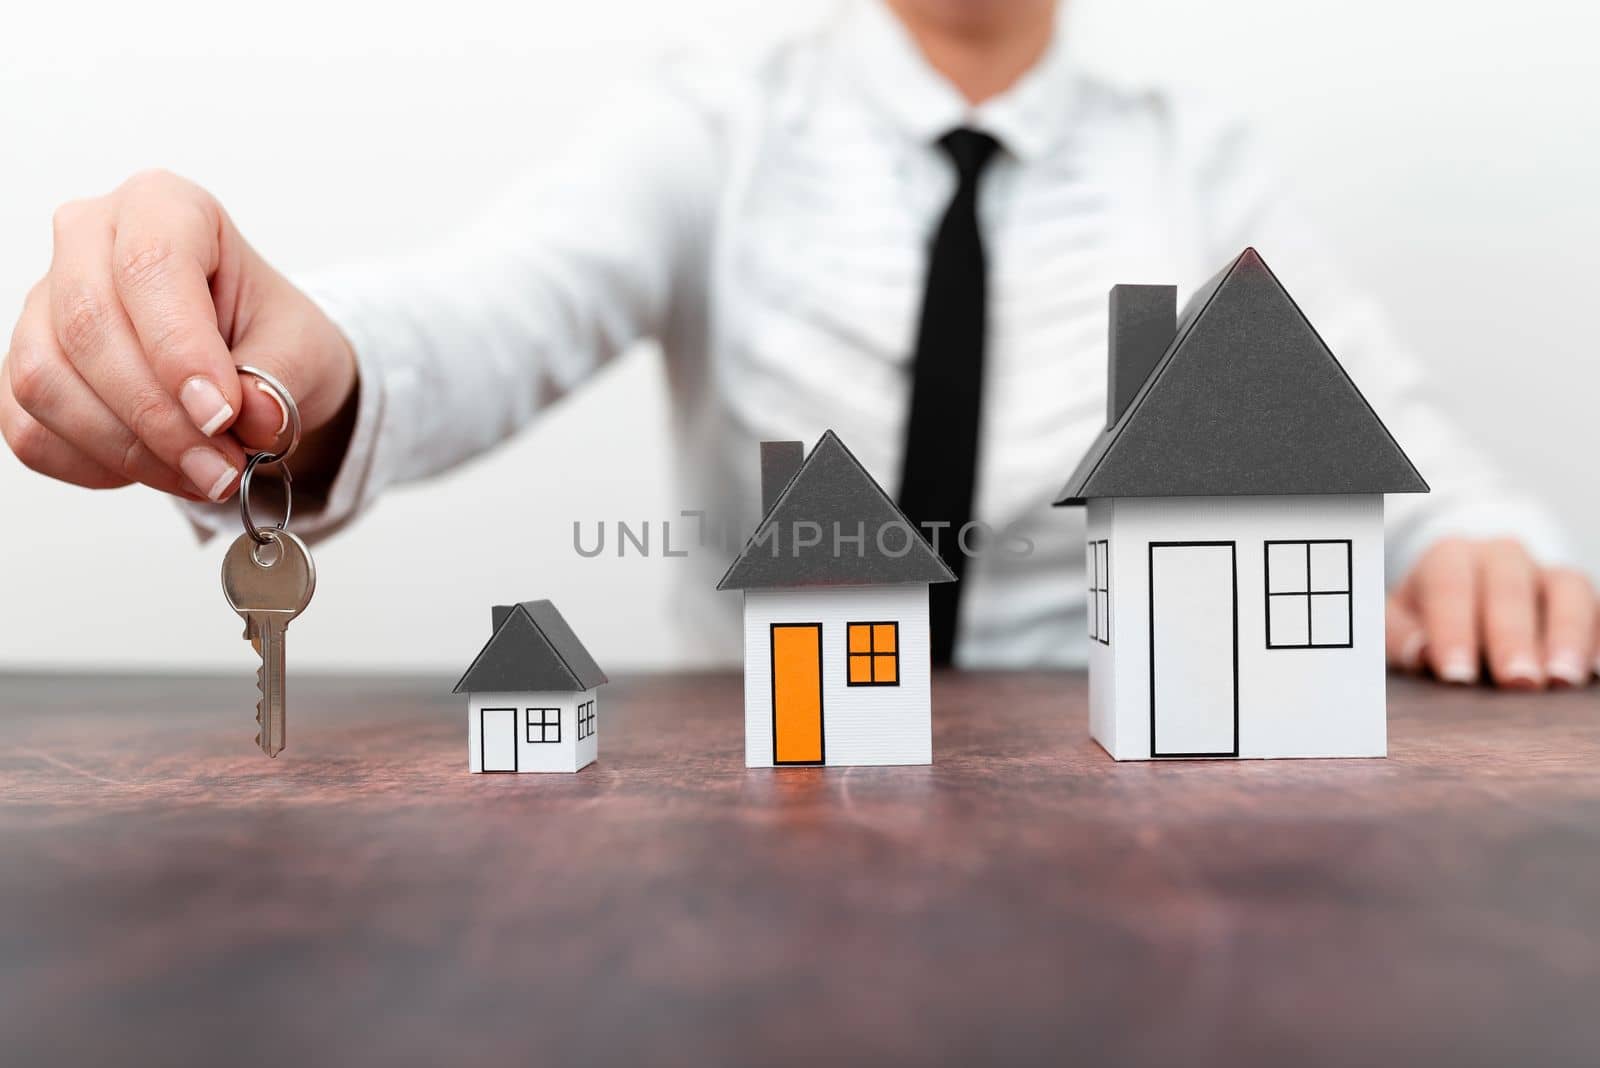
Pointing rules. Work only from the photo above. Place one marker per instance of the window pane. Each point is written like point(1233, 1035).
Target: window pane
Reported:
point(1330, 618)
point(887, 668)
point(1090, 568)
point(1330, 568)
point(1286, 619)
point(860, 638)
point(1104, 613)
point(883, 636)
point(1102, 565)
point(861, 669)
point(544, 724)
point(1286, 567)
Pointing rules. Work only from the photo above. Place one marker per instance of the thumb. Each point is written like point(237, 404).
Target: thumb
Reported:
point(1404, 637)
point(297, 344)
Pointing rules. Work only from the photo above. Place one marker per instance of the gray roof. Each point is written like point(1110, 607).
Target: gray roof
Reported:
point(831, 487)
point(532, 649)
point(1246, 400)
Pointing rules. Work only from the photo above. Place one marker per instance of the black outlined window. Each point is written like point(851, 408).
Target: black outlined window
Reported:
point(586, 720)
point(874, 654)
point(1308, 595)
point(1099, 604)
point(544, 725)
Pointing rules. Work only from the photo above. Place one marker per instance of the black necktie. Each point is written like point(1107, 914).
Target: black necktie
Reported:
point(941, 457)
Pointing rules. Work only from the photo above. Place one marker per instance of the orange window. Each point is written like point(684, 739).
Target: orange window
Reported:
point(874, 654)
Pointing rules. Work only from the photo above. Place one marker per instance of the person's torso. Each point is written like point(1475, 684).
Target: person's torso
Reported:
point(816, 274)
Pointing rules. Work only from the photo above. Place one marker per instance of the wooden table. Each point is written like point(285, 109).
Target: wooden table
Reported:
point(171, 896)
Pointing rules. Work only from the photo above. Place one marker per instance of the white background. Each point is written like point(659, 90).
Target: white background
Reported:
point(1451, 147)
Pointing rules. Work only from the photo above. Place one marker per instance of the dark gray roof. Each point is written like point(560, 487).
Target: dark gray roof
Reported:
point(1246, 400)
point(532, 649)
point(832, 487)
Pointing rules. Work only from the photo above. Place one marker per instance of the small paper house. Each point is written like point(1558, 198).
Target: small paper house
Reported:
point(531, 695)
point(836, 641)
point(1235, 532)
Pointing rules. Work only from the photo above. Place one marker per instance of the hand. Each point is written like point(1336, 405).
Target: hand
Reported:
point(121, 367)
point(1468, 602)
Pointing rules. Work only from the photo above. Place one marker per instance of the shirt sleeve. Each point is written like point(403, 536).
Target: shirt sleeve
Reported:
point(1243, 201)
point(460, 346)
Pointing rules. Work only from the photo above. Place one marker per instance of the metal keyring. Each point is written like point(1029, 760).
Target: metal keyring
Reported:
point(250, 466)
point(257, 459)
point(291, 409)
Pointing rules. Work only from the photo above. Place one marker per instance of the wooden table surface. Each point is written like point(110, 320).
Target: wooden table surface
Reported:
point(168, 895)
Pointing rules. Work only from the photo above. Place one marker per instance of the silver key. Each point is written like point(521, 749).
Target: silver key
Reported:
point(269, 585)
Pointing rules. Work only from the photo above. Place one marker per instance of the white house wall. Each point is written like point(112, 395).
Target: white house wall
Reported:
point(861, 724)
point(569, 754)
point(1292, 702)
point(1102, 676)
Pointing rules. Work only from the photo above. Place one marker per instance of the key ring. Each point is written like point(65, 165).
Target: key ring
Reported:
point(250, 465)
point(257, 459)
point(289, 406)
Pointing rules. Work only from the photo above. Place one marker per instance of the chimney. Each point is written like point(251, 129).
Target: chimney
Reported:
point(1144, 320)
point(501, 611)
point(779, 462)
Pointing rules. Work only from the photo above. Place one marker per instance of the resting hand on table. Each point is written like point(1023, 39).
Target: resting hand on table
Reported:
point(122, 365)
point(1471, 602)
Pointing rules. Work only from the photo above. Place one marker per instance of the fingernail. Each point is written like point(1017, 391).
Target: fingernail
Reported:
point(208, 409)
point(1411, 654)
point(208, 469)
point(283, 413)
point(1522, 669)
point(1568, 668)
point(1460, 669)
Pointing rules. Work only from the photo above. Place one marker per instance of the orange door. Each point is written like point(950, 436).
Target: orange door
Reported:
point(797, 693)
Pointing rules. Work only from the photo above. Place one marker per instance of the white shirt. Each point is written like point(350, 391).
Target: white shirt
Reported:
point(770, 227)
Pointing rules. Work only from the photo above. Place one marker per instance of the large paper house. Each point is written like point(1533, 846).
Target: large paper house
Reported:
point(1235, 532)
point(836, 641)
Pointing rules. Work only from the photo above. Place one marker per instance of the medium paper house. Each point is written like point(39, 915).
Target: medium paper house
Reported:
point(531, 694)
point(836, 642)
point(1235, 532)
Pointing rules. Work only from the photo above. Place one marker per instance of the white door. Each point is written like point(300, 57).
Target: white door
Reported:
point(497, 736)
point(1194, 649)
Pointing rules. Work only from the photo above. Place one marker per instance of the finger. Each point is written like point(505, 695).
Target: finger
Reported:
point(99, 344)
point(46, 452)
point(1510, 606)
point(1447, 601)
point(263, 420)
point(1597, 641)
point(302, 350)
point(166, 245)
point(45, 387)
point(1404, 637)
point(1569, 625)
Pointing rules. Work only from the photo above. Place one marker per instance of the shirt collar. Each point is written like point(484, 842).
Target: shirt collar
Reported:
point(879, 55)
